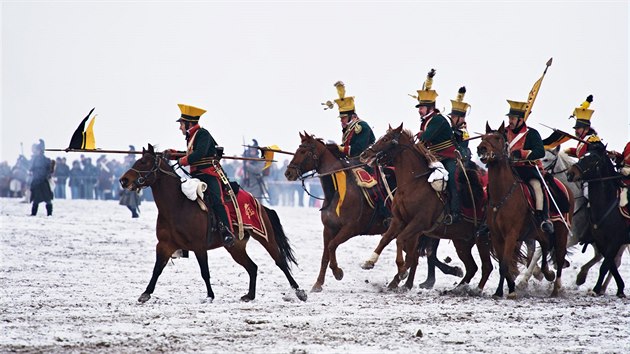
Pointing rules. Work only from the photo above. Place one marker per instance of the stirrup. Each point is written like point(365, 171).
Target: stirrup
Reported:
point(547, 226)
point(451, 219)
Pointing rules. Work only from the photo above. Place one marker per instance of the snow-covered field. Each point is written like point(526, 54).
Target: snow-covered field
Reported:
point(70, 283)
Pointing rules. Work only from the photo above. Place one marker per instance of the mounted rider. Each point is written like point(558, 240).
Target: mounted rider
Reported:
point(622, 162)
point(356, 133)
point(583, 129)
point(201, 150)
point(437, 135)
point(458, 124)
point(526, 148)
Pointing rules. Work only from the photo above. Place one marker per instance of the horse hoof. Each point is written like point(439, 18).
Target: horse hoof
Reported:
point(317, 288)
point(426, 285)
point(338, 273)
point(247, 298)
point(458, 272)
point(404, 275)
point(555, 293)
point(368, 265)
point(551, 276)
point(301, 294)
point(621, 295)
point(144, 298)
point(581, 279)
point(522, 285)
point(497, 296)
point(393, 285)
point(207, 300)
point(512, 296)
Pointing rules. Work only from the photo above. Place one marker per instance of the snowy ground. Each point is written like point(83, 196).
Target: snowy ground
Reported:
point(70, 283)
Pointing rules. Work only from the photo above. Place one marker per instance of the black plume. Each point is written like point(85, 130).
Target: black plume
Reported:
point(462, 89)
point(589, 99)
point(431, 73)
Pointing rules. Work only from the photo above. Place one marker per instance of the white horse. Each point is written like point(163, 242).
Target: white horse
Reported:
point(557, 163)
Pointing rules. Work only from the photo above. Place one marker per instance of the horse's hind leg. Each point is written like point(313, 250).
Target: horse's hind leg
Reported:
point(463, 249)
point(560, 251)
point(618, 263)
point(162, 255)
point(581, 277)
point(202, 259)
point(239, 254)
point(483, 246)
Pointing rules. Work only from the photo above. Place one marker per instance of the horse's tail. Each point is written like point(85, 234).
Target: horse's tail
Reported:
point(281, 238)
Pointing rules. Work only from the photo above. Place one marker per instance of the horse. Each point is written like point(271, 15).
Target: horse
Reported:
point(608, 227)
point(418, 209)
point(342, 217)
point(506, 221)
point(182, 224)
point(557, 163)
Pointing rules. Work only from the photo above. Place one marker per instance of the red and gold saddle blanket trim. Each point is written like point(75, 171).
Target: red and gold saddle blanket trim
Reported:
point(251, 211)
point(363, 178)
point(554, 215)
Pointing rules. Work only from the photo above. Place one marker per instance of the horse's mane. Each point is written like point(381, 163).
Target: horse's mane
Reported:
point(419, 146)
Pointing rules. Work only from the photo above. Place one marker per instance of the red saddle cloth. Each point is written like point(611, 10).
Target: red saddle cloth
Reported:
point(479, 210)
point(250, 210)
point(372, 187)
point(554, 214)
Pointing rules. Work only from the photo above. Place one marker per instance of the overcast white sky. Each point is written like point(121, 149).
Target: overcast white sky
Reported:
point(261, 69)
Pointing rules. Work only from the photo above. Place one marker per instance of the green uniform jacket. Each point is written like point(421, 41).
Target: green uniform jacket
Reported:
point(437, 135)
point(355, 143)
point(203, 146)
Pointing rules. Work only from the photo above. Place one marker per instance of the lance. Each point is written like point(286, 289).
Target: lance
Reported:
point(179, 153)
point(565, 134)
point(534, 92)
point(269, 149)
point(340, 170)
point(554, 202)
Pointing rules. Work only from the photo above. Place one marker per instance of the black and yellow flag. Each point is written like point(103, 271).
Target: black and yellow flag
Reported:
point(556, 138)
point(84, 139)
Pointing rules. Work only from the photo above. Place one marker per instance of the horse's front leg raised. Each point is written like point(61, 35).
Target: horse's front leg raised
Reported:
point(342, 236)
point(202, 259)
point(369, 264)
point(163, 253)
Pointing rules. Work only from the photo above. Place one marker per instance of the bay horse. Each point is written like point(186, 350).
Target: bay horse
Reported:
point(341, 222)
point(608, 227)
point(418, 209)
point(182, 224)
point(509, 217)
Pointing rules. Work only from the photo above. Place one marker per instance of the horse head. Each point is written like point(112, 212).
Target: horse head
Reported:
point(493, 146)
point(385, 147)
point(551, 159)
point(306, 157)
point(593, 165)
point(144, 171)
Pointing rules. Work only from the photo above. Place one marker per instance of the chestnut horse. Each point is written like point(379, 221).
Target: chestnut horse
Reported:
point(354, 217)
point(182, 224)
point(508, 218)
point(608, 227)
point(418, 209)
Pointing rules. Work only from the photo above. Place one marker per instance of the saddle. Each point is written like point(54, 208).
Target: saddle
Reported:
point(558, 192)
point(473, 189)
point(373, 189)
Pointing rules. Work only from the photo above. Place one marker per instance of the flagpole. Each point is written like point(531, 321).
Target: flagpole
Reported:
point(534, 92)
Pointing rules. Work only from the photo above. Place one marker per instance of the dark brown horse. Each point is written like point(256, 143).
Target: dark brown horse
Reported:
point(341, 222)
point(607, 224)
point(182, 224)
point(418, 209)
point(508, 218)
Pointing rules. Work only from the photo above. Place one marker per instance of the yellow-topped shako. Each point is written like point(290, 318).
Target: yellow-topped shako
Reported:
point(190, 113)
point(583, 114)
point(345, 104)
point(426, 95)
point(517, 109)
point(459, 107)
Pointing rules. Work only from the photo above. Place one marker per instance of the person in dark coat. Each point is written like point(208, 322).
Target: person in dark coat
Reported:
point(128, 198)
point(41, 171)
point(62, 172)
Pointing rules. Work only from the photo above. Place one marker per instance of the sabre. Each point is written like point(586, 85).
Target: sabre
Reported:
point(565, 133)
point(554, 203)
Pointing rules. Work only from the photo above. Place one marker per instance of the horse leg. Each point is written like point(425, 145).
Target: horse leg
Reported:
point(560, 251)
point(544, 259)
point(508, 263)
point(411, 247)
point(618, 263)
point(533, 262)
point(202, 259)
point(162, 255)
point(342, 236)
point(328, 235)
point(463, 249)
point(400, 265)
point(483, 247)
point(431, 263)
point(499, 245)
point(240, 256)
point(603, 270)
point(581, 277)
point(369, 264)
point(615, 272)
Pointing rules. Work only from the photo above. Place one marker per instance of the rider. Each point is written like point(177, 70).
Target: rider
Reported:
point(437, 135)
point(356, 133)
point(583, 129)
point(526, 149)
point(622, 160)
point(458, 124)
point(201, 148)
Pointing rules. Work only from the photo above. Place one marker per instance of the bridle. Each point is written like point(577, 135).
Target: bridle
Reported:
point(311, 153)
point(143, 175)
point(492, 155)
point(382, 156)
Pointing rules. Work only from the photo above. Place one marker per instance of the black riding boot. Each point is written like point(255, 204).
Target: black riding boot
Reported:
point(34, 209)
point(49, 209)
point(226, 235)
point(545, 224)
